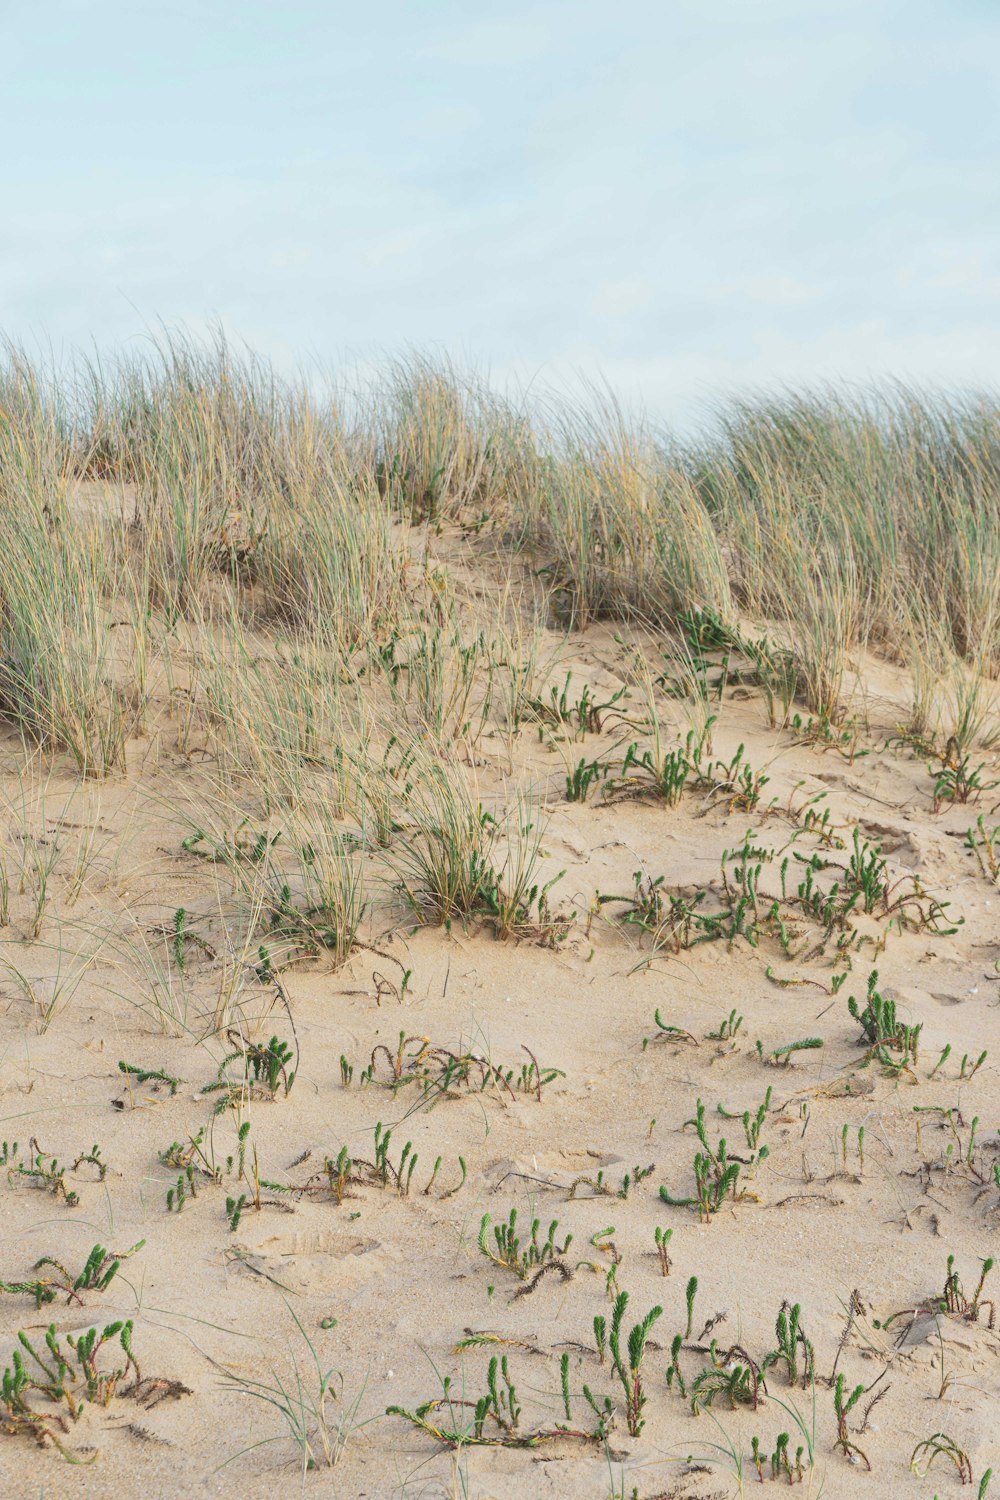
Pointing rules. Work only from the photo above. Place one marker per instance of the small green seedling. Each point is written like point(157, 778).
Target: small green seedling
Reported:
point(665, 1032)
point(844, 1140)
point(181, 935)
point(265, 1066)
point(955, 778)
point(441, 1073)
point(495, 1416)
point(884, 1032)
point(44, 1171)
point(779, 1462)
point(603, 1189)
point(753, 1124)
point(674, 1373)
point(794, 1350)
point(193, 1162)
point(99, 1270)
point(65, 1376)
point(234, 1210)
point(512, 1255)
point(627, 1367)
point(782, 1056)
point(183, 1189)
point(690, 1292)
point(843, 1405)
point(586, 713)
point(341, 1172)
point(716, 1175)
point(954, 1300)
point(984, 843)
point(865, 872)
point(734, 1374)
point(940, 1445)
point(584, 777)
point(148, 1075)
point(729, 1026)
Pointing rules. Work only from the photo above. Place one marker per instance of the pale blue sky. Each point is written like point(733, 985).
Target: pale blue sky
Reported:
point(686, 195)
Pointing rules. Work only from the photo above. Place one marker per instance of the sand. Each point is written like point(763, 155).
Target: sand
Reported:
point(403, 1277)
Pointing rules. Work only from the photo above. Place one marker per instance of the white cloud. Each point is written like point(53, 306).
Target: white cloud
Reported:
point(616, 299)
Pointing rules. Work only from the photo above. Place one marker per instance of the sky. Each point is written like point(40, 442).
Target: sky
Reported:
point(684, 197)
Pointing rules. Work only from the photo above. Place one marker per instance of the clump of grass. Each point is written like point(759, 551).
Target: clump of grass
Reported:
point(445, 445)
point(626, 531)
point(69, 681)
point(299, 887)
point(303, 1395)
point(443, 681)
point(460, 862)
point(275, 712)
point(329, 562)
point(50, 994)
